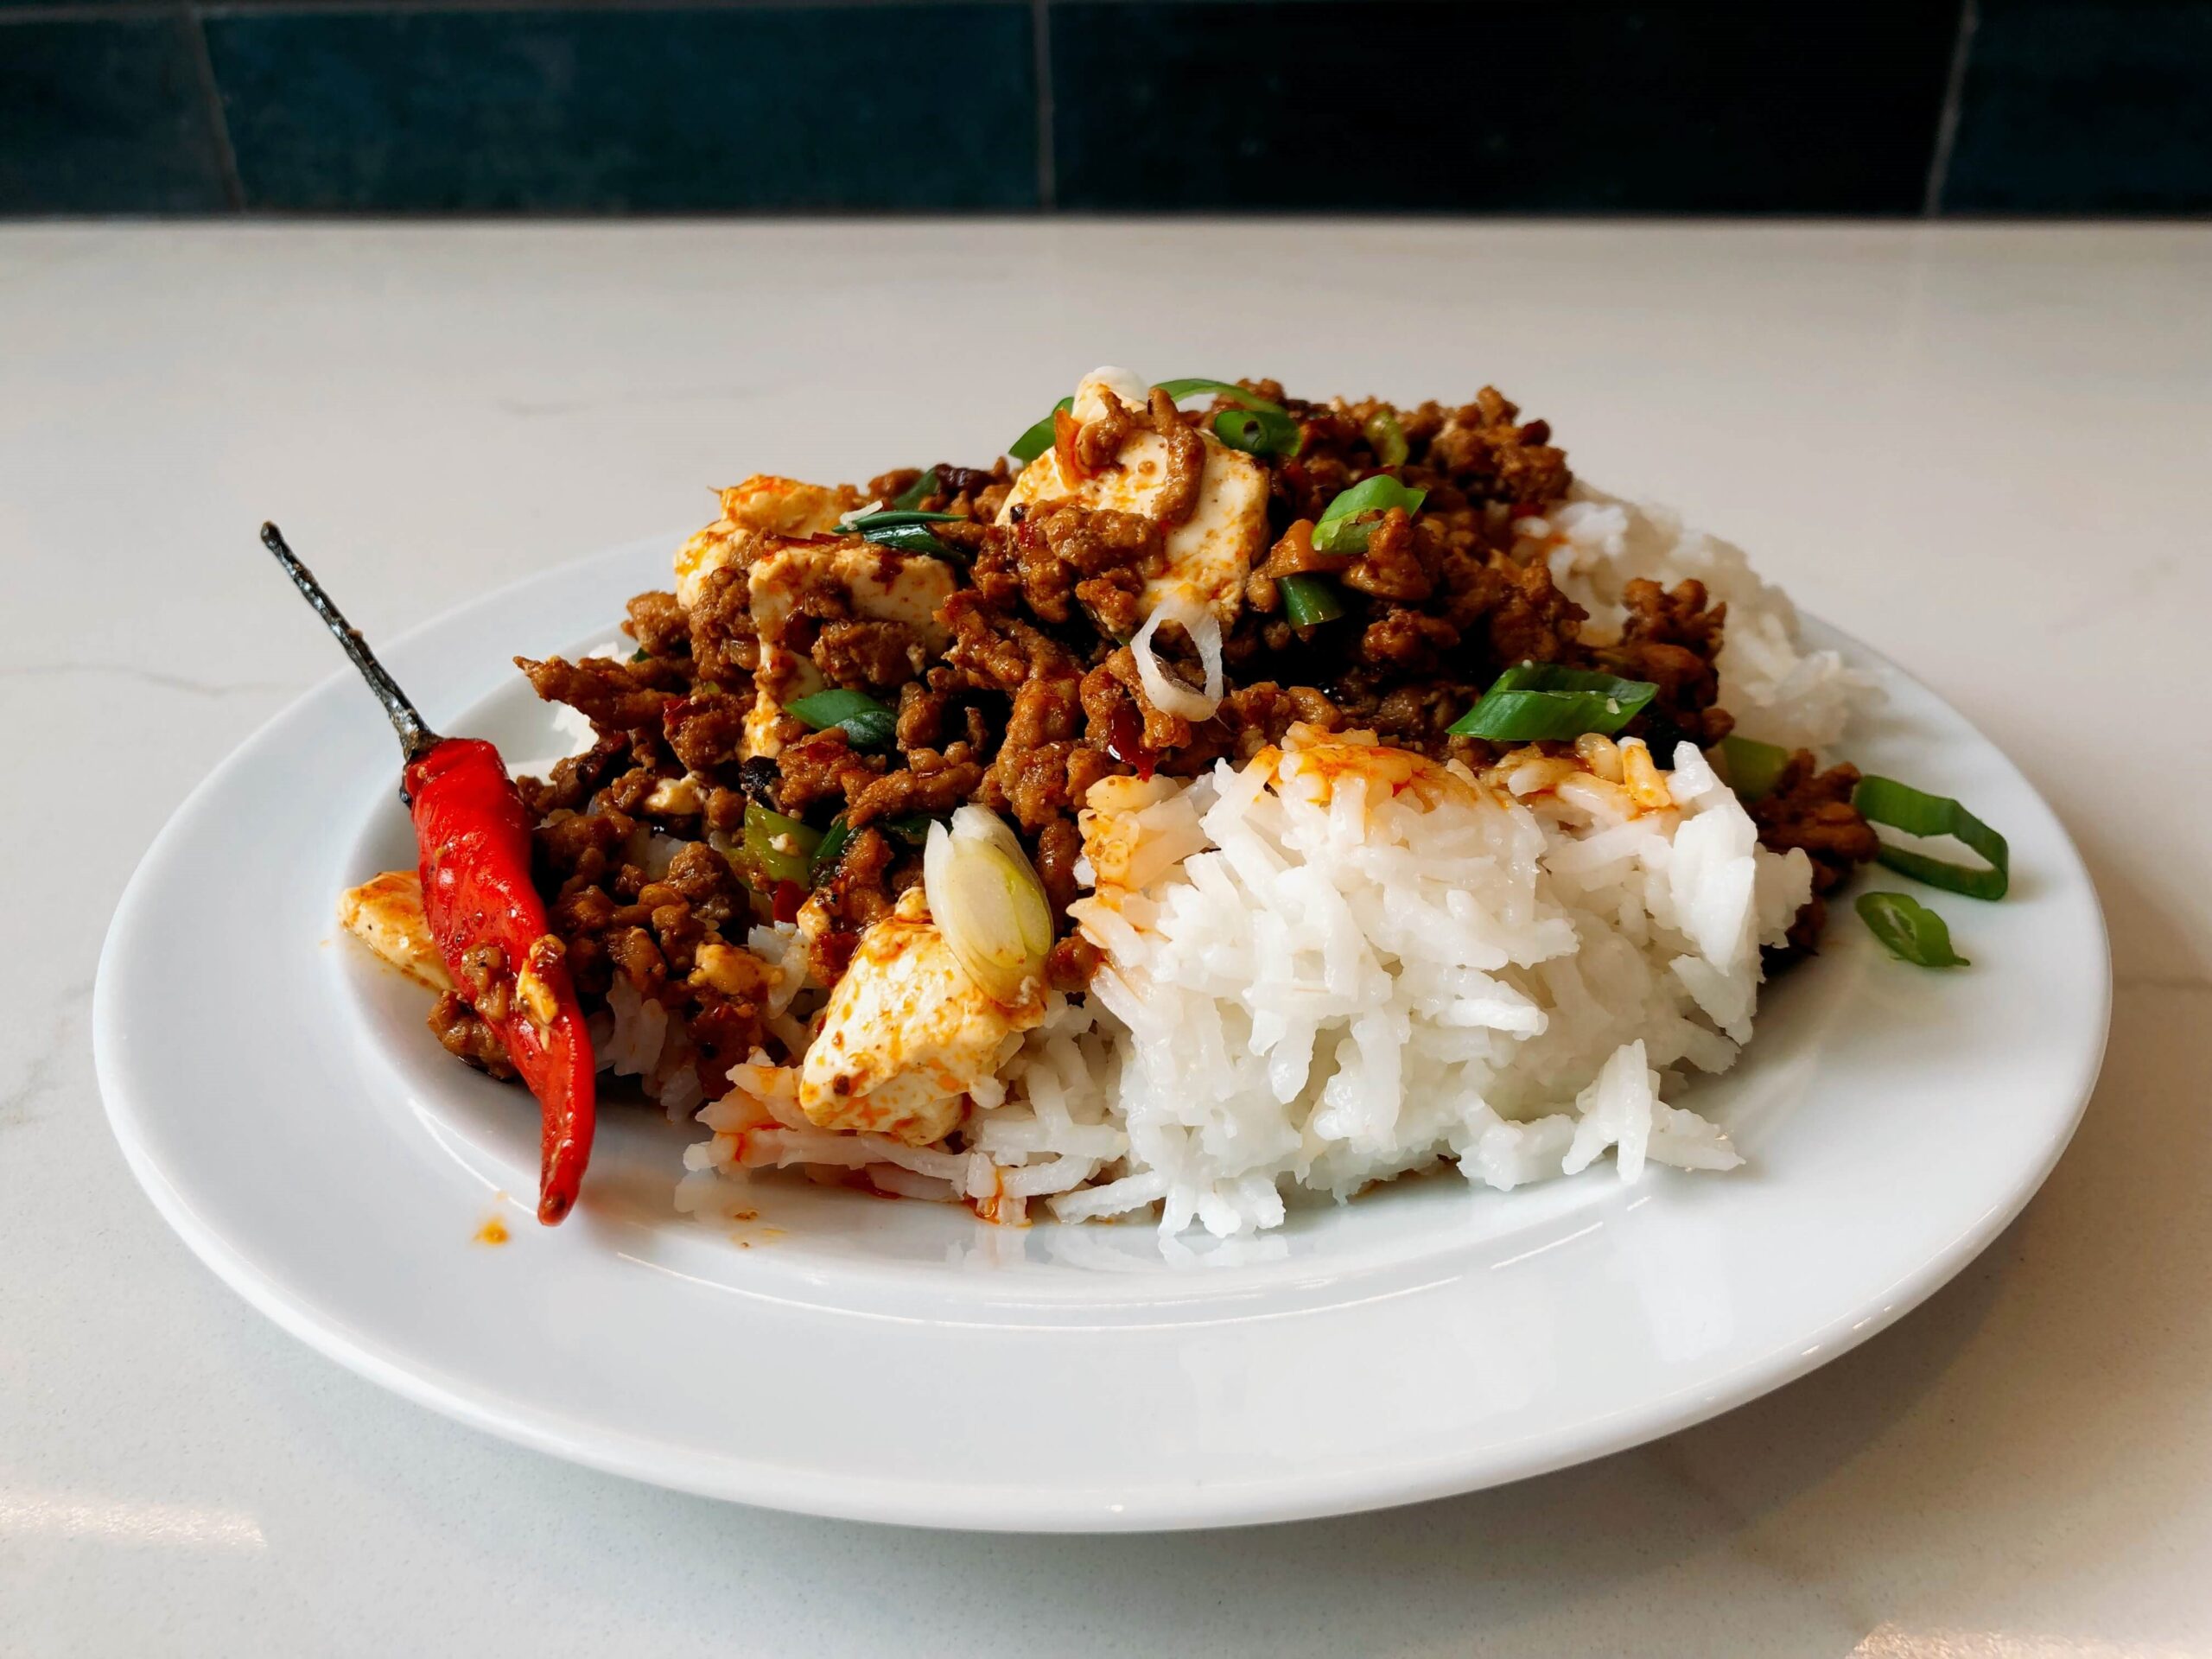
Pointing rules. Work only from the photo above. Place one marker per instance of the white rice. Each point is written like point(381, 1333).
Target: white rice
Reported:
point(635, 1038)
point(1779, 693)
point(1316, 982)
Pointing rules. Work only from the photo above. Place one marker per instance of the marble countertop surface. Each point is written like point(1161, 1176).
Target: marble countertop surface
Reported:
point(1986, 450)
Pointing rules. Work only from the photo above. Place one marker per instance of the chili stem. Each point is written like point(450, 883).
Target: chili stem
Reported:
point(415, 737)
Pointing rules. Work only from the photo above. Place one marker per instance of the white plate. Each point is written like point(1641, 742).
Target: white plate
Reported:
point(277, 1096)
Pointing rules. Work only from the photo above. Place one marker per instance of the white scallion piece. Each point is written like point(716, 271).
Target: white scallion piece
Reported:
point(1167, 693)
point(987, 901)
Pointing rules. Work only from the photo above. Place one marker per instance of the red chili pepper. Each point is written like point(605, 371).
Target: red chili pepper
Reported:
point(471, 834)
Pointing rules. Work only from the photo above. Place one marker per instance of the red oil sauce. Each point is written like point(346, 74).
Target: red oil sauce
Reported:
point(1065, 428)
point(1125, 742)
point(789, 897)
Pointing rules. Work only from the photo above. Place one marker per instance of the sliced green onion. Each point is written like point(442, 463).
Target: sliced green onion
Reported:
point(918, 492)
point(1309, 600)
point(907, 529)
point(640, 655)
point(781, 849)
point(1527, 675)
point(866, 723)
point(1344, 536)
point(912, 827)
point(1038, 438)
point(1256, 426)
point(914, 538)
point(1884, 800)
point(1338, 531)
point(1387, 438)
point(823, 864)
point(1256, 434)
point(1535, 717)
point(898, 518)
point(1178, 389)
point(1909, 930)
point(1534, 701)
point(1375, 494)
point(1753, 768)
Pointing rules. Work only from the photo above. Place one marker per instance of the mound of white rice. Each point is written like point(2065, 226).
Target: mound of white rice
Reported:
point(1779, 693)
point(1341, 962)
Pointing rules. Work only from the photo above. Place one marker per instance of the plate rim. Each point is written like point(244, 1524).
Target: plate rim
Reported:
point(917, 1501)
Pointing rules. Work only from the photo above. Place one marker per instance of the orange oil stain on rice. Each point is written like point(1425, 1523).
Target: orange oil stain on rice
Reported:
point(1315, 763)
point(861, 1181)
point(994, 1209)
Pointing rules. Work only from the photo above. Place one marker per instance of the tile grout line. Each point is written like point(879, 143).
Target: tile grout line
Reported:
point(77, 11)
point(1040, 31)
point(88, 11)
point(211, 95)
point(1947, 122)
point(302, 8)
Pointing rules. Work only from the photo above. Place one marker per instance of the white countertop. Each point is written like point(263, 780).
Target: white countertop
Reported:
point(1986, 450)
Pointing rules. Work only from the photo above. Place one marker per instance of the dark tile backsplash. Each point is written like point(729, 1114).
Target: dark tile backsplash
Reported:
point(106, 117)
point(1578, 106)
point(2074, 107)
point(1724, 108)
point(598, 109)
